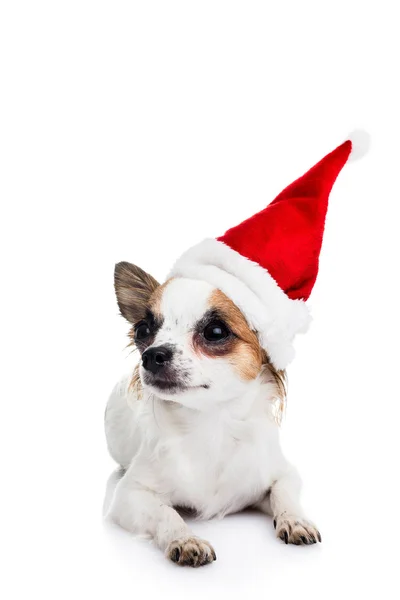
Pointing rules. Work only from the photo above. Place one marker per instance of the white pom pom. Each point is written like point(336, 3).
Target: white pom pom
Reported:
point(360, 143)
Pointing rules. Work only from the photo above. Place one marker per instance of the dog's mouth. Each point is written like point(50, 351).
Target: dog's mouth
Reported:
point(172, 387)
point(170, 381)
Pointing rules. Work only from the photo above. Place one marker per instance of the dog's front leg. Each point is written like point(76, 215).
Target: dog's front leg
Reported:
point(144, 512)
point(283, 503)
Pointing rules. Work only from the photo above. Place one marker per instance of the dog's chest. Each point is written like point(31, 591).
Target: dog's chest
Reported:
point(218, 468)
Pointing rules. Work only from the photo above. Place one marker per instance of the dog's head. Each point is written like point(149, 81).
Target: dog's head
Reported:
point(195, 344)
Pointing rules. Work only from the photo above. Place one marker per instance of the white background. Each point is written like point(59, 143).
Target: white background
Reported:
point(129, 131)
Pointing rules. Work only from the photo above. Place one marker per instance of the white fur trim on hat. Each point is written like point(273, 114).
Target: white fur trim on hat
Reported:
point(273, 315)
point(360, 143)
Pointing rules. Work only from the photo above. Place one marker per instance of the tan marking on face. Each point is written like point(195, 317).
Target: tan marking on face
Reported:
point(244, 351)
point(156, 297)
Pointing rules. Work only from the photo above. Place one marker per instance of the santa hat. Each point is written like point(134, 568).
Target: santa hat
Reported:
point(268, 264)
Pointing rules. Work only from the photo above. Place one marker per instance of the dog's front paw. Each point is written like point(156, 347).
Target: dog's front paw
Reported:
point(191, 552)
point(296, 530)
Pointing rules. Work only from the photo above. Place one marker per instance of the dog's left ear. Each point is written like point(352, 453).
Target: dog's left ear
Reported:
point(133, 288)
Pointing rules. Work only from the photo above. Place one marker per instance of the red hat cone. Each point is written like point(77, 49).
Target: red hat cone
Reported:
point(286, 237)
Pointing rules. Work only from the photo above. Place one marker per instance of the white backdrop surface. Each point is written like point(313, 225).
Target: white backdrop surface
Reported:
point(129, 131)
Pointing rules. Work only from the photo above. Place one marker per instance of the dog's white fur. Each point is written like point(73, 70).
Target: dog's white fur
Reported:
point(214, 450)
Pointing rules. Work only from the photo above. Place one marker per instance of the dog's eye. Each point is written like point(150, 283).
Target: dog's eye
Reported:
point(142, 331)
point(215, 331)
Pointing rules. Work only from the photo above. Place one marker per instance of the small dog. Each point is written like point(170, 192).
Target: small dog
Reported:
point(197, 424)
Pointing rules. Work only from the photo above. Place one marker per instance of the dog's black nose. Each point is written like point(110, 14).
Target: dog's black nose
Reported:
point(154, 359)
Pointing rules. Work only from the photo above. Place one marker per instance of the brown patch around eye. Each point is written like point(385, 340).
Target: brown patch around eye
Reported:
point(242, 349)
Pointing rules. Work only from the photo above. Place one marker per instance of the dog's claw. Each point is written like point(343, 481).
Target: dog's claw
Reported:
point(175, 555)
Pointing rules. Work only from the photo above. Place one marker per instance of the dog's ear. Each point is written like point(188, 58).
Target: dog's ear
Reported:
point(133, 288)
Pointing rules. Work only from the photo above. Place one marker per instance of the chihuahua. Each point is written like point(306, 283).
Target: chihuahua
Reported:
point(197, 423)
